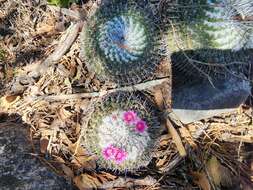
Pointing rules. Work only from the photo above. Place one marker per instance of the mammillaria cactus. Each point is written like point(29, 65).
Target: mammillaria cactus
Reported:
point(122, 131)
point(216, 24)
point(205, 33)
point(121, 42)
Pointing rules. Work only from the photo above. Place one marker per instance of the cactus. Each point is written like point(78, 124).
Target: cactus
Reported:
point(122, 131)
point(121, 42)
point(204, 33)
point(215, 24)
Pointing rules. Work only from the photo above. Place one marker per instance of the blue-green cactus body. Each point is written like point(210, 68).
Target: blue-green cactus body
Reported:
point(208, 24)
point(202, 33)
point(121, 42)
point(123, 131)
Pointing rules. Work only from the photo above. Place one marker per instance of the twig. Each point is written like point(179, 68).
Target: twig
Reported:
point(62, 97)
point(72, 14)
point(37, 70)
point(65, 43)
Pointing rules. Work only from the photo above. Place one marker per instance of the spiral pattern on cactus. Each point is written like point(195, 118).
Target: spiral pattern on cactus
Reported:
point(123, 131)
point(204, 33)
point(122, 42)
point(123, 39)
point(207, 24)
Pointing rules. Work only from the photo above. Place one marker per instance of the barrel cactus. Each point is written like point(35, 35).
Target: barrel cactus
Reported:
point(216, 24)
point(122, 131)
point(121, 42)
point(204, 33)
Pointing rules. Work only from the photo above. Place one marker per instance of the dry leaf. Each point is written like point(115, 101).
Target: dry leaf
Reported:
point(201, 180)
point(86, 182)
point(89, 163)
point(104, 176)
point(176, 138)
point(67, 171)
point(220, 175)
point(7, 101)
point(44, 141)
point(214, 170)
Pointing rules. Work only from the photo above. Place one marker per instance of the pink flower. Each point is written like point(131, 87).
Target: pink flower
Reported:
point(120, 156)
point(129, 117)
point(140, 126)
point(109, 152)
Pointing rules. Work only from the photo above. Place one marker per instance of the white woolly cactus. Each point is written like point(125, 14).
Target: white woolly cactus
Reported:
point(123, 131)
point(121, 42)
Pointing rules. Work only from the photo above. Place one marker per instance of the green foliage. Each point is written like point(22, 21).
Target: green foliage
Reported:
point(61, 3)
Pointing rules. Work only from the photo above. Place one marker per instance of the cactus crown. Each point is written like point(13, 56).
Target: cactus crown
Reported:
point(121, 42)
point(122, 131)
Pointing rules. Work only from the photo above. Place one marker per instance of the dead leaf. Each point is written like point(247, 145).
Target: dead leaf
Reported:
point(44, 141)
point(219, 174)
point(67, 171)
point(176, 138)
point(214, 170)
point(201, 180)
point(86, 182)
point(87, 162)
point(7, 101)
point(104, 176)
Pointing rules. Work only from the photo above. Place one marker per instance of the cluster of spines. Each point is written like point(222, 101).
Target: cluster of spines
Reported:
point(128, 142)
point(128, 63)
point(206, 39)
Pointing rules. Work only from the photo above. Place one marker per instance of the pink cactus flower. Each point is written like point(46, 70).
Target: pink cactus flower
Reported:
point(140, 126)
point(109, 152)
point(120, 156)
point(129, 117)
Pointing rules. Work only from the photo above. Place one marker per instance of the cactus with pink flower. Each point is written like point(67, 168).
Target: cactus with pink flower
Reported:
point(123, 131)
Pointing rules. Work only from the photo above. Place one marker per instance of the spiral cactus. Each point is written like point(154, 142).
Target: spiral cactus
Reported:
point(122, 131)
point(204, 33)
point(216, 24)
point(120, 42)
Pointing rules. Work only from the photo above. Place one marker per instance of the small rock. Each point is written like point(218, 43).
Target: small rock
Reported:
point(193, 102)
point(18, 169)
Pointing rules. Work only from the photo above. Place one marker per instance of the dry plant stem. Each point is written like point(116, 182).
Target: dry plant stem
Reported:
point(236, 138)
point(39, 69)
point(139, 87)
point(65, 43)
point(176, 138)
point(72, 14)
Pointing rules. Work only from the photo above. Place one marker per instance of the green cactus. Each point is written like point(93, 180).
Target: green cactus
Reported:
point(205, 33)
point(202, 24)
point(122, 131)
point(121, 42)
